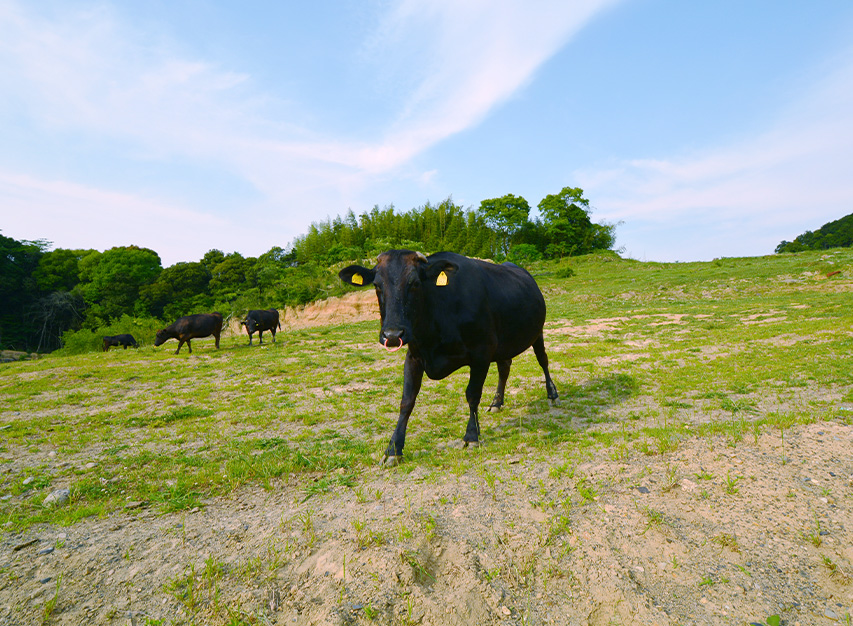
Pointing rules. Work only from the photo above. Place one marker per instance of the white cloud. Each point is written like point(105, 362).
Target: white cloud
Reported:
point(82, 73)
point(461, 59)
point(723, 201)
point(76, 216)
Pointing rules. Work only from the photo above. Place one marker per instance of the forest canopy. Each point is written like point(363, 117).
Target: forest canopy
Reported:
point(837, 234)
point(46, 296)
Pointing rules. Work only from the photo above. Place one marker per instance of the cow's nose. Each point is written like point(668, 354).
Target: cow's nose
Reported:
point(392, 338)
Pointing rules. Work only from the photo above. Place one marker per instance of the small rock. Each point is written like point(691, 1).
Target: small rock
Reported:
point(830, 614)
point(45, 551)
point(643, 489)
point(59, 497)
point(26, 544)
point(506, 611)
point(27, 480)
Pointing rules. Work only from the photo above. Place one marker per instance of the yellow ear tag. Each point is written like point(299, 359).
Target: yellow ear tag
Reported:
point(441, 280)
point(357, 279)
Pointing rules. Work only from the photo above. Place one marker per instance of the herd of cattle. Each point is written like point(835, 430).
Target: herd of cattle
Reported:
point(202, 325)
point(452, 311)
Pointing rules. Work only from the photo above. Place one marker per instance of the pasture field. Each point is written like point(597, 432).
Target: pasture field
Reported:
point(698, 469)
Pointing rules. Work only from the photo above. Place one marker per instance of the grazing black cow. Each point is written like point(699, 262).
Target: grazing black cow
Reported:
point(453, 311)
point(191, 327)
point(120, 340)
point(261, 321)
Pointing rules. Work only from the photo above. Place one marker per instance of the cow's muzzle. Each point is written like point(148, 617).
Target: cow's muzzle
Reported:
point(395, 338)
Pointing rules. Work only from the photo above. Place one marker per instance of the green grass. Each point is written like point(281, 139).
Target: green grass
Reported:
point(644, 356)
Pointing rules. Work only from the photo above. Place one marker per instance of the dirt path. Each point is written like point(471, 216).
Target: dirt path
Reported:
point(712, 533)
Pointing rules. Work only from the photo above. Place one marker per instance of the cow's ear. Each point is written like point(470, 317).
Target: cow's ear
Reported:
point(440, 273)
point(357, 275)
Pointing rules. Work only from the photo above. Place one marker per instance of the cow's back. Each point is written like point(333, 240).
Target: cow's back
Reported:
point(485, 306)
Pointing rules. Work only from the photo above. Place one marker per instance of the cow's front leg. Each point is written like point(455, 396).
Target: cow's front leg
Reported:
point(473, 393)
point(261, 337)
point(413, 375)
point(503, 374)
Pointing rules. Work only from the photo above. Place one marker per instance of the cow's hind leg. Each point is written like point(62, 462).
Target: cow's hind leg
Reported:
point(503, 374)
point(413, 375)
point(473, 393)
point(550, 387)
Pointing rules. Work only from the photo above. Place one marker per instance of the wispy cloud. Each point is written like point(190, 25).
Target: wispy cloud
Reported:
point(462, 59)
point(791, 176)
point(83, 71)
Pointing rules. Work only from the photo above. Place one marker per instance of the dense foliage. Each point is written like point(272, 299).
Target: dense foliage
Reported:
point(837, 234)
point(70, 298)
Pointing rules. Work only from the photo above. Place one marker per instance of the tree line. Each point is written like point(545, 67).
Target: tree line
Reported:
point(837, 234)
point(47, 297)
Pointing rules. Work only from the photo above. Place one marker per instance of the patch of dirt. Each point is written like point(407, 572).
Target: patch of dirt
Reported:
point(10, 356)
point(357, 306)
point(712, 533)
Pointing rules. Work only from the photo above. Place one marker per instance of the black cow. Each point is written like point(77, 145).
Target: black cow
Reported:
point(454, 311)
point(120, 340)
point(261, 321)
point(191, 327)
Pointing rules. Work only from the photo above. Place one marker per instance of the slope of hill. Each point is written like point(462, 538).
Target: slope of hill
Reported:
point(697, 470)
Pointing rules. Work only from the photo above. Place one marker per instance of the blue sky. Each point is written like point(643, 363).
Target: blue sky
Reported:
point(707, 129)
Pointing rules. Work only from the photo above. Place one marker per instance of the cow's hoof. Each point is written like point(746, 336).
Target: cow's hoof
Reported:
point(392, 461)
point(472, 444)
point(494, 408)
point(555, 402)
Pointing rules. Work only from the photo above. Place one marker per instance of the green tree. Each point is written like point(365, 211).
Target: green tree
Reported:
point(111, 281)
point(506, 215)
point(179, 290)
point(18, 291)
point(58, 270)
point(568, 226)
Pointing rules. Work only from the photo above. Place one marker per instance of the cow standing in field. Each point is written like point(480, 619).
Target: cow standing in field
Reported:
point(453, 311)
point(120, 340)
point(191, 327)
point(261, 321)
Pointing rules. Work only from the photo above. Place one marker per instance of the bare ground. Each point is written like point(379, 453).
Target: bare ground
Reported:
point(709, 534)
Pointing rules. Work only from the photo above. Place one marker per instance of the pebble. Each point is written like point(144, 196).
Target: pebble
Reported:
point(643, 489)
point(830, 614)
point(45, 551)
point(57, 498)
point(27, 480)
point(26, 544)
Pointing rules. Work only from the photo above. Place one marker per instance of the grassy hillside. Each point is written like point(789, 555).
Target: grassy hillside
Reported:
point(697, 470)
point(645, 356)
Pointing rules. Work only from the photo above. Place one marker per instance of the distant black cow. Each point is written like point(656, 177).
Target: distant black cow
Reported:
point(120, 340)
point(261, 321)
point(191, 327)
point(454, 311)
